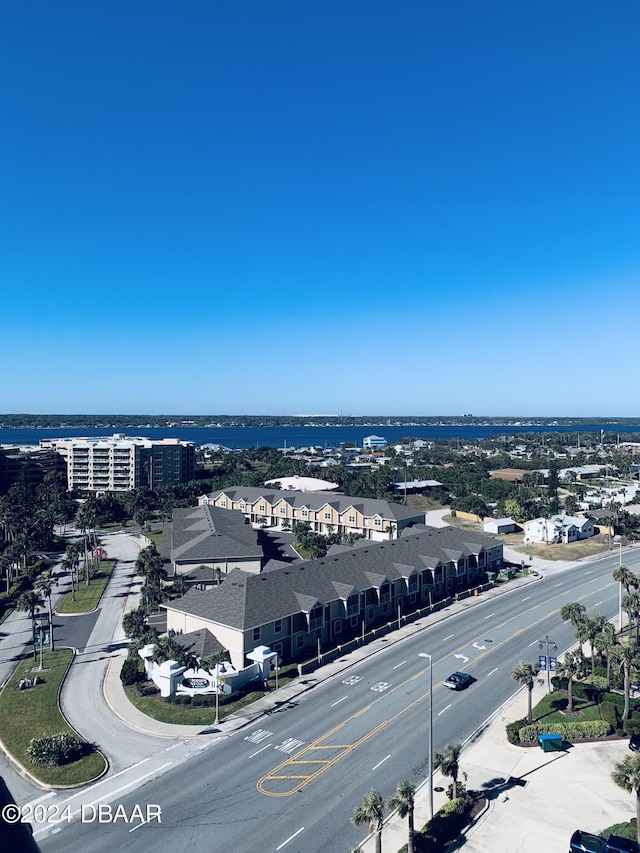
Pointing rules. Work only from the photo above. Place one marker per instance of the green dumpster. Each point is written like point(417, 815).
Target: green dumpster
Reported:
point(550, 743)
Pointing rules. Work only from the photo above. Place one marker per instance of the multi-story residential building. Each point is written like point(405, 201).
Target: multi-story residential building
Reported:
point(374, 442)
point(120, 463)
point(369, 518)
point(332, 599)
point(204, 544)
point(30, 464)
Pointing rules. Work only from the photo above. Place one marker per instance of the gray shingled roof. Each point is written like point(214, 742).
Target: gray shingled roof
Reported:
point(205, 532)
point(246, 600)
point(367, 506)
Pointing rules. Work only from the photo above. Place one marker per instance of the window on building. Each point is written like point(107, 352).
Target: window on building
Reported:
point(256, 635)
point(337, 626)
point(261, 508)
point(327, 516)
point(377, 522)
point(223, 503)
point(283, 510)
point(277, 626)
point(352, 519)
point(305, 513)
point(354, 621)
point(299, 641)
point(370, 614)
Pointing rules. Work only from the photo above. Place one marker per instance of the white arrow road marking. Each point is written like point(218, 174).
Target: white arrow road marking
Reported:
point(478, 646)
point(462, 658)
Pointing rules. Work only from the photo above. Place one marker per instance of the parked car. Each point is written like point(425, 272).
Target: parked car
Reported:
point(634, 743)
point(586, 842)
point(458, 680)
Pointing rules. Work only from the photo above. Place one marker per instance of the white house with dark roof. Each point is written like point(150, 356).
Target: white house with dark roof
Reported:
point(373, 519)
point(330, 599)
point(559, 528)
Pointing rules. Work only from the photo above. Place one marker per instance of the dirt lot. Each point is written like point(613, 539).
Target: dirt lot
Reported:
point(571, 551)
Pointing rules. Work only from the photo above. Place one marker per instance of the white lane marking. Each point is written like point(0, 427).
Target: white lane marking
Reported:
point(587, 573)
point(449, 637)
point(290, 838)
point(169, 748)
point(490, 616)
point(260, 750)
point(597, 604)
point(398, 665)
point(443, 710)
point(112, 794)
point(526, 598)
point(533, 644)
point(557, 584)
point(338, 702)
point(39, 800)
point(133, 828)
point(108, 779)
point(381, 762)
point(492, 671)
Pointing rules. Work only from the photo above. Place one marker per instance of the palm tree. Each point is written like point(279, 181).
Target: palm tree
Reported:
point(573, 612)
point(448, 763)
point(631, 606)
point(627, 579)
point(626, 659)
point(403, 801)
point(525, 674)
point(571, 665)
point(626, 774)
point(594, 627)
point(605, 641)
point(371, 812)
point(28, 602)
point(45, 584)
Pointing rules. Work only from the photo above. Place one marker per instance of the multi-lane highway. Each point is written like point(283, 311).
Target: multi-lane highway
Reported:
point(290, 781)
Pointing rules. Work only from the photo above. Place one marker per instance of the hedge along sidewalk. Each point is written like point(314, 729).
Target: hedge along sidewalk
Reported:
point(35, 712)
point(87, 597)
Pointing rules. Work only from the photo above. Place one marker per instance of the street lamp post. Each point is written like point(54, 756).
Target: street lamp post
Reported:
point(620, 594)
point(430, 763)
point(546, 643)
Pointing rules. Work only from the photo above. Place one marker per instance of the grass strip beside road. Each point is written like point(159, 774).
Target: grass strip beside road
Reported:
point(158, 709)
point(25, 714)
point(87, 597)
point(552, 709)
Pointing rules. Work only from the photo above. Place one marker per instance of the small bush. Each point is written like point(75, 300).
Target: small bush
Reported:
point(55, 750)
point(148, 689)
point(130, 672)
point(513, 730)
point(610, 714)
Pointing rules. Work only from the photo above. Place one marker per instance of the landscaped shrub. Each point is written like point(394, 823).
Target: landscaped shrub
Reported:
point(179, 700)
point(55, 750)
point(149, 689)
point(445, 825)
point(610, 713)
point(569, 731)
point(632, 725)
point(597, 681)
point(513, 730)
point(130, 672)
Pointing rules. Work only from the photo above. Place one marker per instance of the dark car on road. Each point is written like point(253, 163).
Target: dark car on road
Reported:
point(585, 842)
point(634, 743)
point(458, 680)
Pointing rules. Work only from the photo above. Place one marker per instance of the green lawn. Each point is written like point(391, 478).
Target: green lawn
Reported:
point(550, 707)
point(34, 713)
point(156, 538)
point(159, 709)
point(87, 597)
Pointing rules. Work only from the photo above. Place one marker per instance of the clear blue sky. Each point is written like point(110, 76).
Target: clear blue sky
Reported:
point(287, 207)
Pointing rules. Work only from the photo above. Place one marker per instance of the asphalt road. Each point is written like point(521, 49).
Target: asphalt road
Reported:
point(291, 780)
